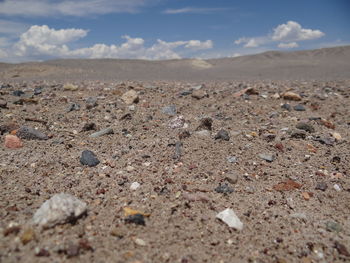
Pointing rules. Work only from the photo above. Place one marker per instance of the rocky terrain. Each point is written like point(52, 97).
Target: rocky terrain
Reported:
point(174, 171)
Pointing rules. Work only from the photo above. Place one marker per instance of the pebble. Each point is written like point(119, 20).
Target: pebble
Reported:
point(137, 219)
point(130, 97)
point(199, 94)
point(38, 91)
point(13, 142)
point(230, 218)
point(27, 236)
point(89, 126)
point(287, 107)
point(267, 157)
point(336, 136)
point(231, 177)
point(29, 133)
point(89, 158)
point(169, 110)
point(203, 133)
point(134, 186)
point(3, 104)
point(291, 96)
point(333, 226)
point(342, 250)
point(73, 107)
point(17, 93)
point(91, 102)
point(205, 124)
point(222, 135)
point(178, 146)
point(305, 126)
point(140, 242)
point(70, 87)
point(298, 134)
point(177, 122)
point(321, 186)
point(102, 132)
point(232, 159)
point(337, 187)
point(59, 209)
point(299, 107)
point(224, 189)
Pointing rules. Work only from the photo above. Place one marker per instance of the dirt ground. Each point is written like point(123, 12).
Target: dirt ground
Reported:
point(294, 207)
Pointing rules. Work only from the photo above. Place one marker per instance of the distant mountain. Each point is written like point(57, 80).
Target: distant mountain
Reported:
point(318, 64)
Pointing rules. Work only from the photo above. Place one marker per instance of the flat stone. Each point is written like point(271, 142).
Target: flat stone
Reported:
point(130, 97)
point(13, 142)
point(305, 126)
point(60, 209)
point(17, 93)
point(299, 107)
point(291, 96)
point(91, 102)
point(199, 94)
point(267, 157)
point(73, 107)
point(102, 132)
point(222, 135)
point(224, 189)
point(321, 186)
point(89, 158)
point(231, 177)
point(169, 110)
point(287, 107)
point(29, 133)
point(229, 217)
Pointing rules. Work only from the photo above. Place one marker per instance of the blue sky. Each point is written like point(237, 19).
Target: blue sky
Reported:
point(167, 29)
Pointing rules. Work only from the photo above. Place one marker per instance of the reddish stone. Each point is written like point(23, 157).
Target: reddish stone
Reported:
point(13, 142)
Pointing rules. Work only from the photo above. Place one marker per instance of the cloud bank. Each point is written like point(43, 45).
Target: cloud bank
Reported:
point(42, 42)
point(287, 34)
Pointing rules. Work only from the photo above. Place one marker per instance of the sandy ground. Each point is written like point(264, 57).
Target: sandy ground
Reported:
point(294, 207)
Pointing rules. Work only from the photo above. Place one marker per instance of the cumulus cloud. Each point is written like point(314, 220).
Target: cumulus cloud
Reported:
point(69, 7)
point(42, 42)
point(288, 45)
point(289, 34)
point(292, 31)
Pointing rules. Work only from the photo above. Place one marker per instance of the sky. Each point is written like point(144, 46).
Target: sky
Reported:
point(37, 30)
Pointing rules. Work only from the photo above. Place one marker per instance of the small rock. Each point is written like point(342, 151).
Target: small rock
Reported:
point(287, 107)
point(13, 142)
point(73, 107)
point(305, 126)
point(89, 127)
point(134, 186)
point(178, 151)
point(185, 93)
point(325, 140)
point(205, 124)
point(287, 186)
point(72, 250)
point(130, 97)
point(59, 209)
point(29, 133)
point(8, 127)
point(184, 134)
point(137, 219)
point(169, 110)
point(3, 104)
point(337, 188)
point(199, 94)
point(91, 102)
point(27, 236)
point(140, 242)
point(342, 250)
point(177, 122)
point(42, 252)
point(222, 135)
point(230, 218)
point(232, 159)
point(17, 93)
point(299, 107)
point(203, 133)
point(298, 134)
point(102, 132)
point(224, 189)
point(291, 96)
point(232, 178)
point(333, 226)
point(70, 87)
point(267, 157)
point(38, 91)
point(89, 158)
point(321, 186)
point(336, 136)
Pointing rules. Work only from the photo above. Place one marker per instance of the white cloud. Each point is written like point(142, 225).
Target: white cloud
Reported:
point(193, 10)
point(69, 7)
point(288, 45)
point(198, 45)
point(42, 42)
point(289, 33)
point(292, 31)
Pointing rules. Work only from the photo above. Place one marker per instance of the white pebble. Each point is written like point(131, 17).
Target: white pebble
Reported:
point(337, 187)
point(134, 186)
point(230, 218)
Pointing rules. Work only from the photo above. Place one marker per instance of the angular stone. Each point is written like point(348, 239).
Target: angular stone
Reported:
point(291, 96)
point(13, 142)
point(169, 110)
point(230, 218)
point(267, 157)
point(3, 104)
point(130, 97)
point(222, 135)
point(102, 132)
point(305, 126)
point(199, 94)
point(91, 102)
point(29, 133)
point(299, 107)
point(89, 158)
point(60, 209)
